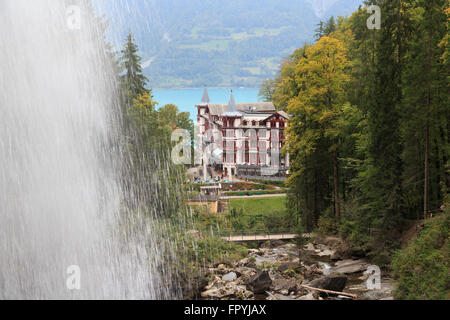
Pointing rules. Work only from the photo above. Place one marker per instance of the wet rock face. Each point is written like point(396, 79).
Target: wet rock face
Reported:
point(260, 282)
point(332, 282)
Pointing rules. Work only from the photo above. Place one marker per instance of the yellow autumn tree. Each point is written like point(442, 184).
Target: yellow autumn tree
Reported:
point(315, 131)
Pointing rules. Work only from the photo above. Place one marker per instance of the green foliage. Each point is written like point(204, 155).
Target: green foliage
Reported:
point(325, 28)
point(422, 268)
point(266, 90)
point(212, 249)
point(280, 221)
point(368, 134)
point(425, 90)
point(133, 80)
point(316, 133)
point(247, 216)
point(256, 215)
point(151, 178)
point(327, 224)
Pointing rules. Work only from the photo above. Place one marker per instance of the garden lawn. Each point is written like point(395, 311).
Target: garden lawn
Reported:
point(260, 206)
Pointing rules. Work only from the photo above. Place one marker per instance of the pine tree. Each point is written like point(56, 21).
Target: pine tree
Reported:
point(425, 83)
point(133, 81)
point(382, 175)
point(330, 26)
point(319, 32)
point(325, 28)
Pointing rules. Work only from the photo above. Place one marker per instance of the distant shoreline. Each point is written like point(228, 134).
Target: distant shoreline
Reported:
point(201, 88)
point(186, 99)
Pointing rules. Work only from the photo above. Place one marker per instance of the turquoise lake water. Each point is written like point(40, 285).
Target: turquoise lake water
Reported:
point(186, 99)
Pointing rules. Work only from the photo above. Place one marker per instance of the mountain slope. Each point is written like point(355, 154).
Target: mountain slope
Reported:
point(192, 43)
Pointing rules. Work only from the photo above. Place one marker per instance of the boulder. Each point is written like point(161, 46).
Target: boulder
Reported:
point(222, 264)
point(289, 265)
point(230, 277)
point(227, 291)
point(284, 285)
point(345, 251)
point(252, 265)
point(349, 266)
point(312, 271)
point(332, 242)
point(192, 289)
point(331, 282)
point(272, 244)
point(325, 253)
point(336, 256)
point(284, 297)
point(243, 262)
point(245, 271)
point(260, 282)
point(246, 262)
point(309, 296)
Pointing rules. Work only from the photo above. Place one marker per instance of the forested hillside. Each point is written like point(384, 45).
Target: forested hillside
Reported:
point(193, 43)
point(369, 131)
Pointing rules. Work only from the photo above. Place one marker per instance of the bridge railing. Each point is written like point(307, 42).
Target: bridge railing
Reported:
point(260, 232)
point(245, 234)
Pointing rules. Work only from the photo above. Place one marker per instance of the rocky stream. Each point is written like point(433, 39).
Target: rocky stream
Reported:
point(283, 271)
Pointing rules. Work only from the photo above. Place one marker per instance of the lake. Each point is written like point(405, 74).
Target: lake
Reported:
point(186, 99)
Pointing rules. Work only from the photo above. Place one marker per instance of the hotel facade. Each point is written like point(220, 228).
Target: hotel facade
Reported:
point(244, 139)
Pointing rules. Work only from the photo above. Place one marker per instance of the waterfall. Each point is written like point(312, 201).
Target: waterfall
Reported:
point(62, 231)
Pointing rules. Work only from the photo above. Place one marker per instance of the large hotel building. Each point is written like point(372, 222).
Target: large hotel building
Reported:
point(248, 138)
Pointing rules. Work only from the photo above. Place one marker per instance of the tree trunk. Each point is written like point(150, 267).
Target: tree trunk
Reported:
point(337, 209)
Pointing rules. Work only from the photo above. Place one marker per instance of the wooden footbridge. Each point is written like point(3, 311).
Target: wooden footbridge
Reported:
point(259, 236)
